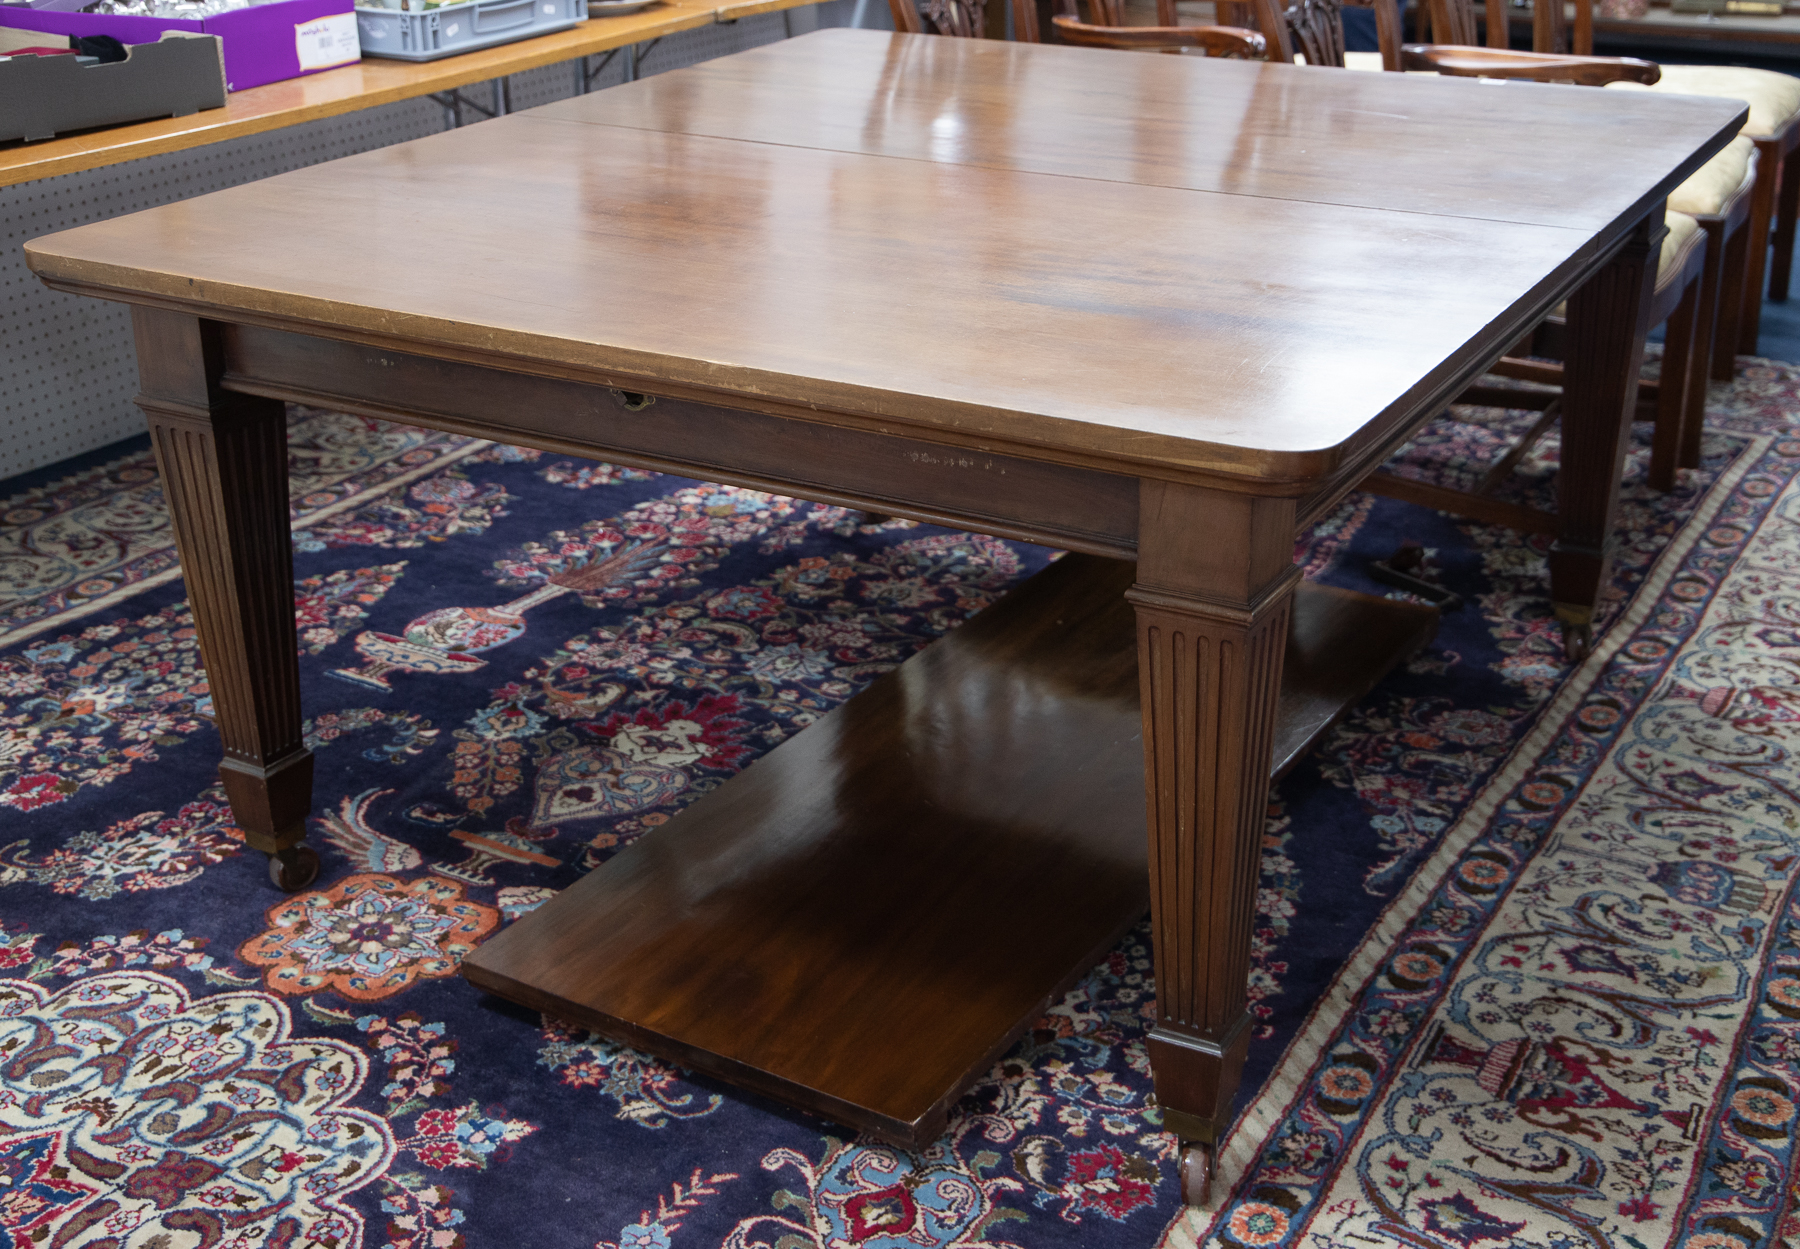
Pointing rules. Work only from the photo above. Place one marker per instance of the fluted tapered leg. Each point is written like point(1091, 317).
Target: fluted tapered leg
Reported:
point(1213, 596)
point(1607, 325)
point(223, 459)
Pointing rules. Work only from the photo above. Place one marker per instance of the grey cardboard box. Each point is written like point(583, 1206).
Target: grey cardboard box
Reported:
point(43, 96)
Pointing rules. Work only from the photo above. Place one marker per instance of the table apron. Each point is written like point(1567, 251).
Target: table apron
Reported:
point(1008, 496)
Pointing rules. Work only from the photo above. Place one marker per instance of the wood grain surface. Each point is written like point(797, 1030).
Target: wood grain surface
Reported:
point(1261, 307)
point(1388, 141)
point(894, 919)
point(862, 922)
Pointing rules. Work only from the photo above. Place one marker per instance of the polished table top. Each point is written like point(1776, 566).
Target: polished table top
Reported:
point(1177, 267)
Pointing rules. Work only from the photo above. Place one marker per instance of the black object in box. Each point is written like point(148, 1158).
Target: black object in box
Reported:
point(42, 96)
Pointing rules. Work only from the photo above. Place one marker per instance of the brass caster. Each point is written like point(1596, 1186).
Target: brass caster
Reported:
point(294, 869)
point(1578, 641)
point(1196, 1170)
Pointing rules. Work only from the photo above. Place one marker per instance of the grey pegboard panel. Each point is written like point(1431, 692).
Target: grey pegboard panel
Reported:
point(550, 83)
point(67, 368)
point(706, 42)
point(557, 82)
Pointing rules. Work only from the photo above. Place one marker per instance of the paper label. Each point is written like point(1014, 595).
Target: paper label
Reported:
point(327, 41)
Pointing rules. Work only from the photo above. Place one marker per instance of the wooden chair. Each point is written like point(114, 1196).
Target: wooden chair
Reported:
point(1314, 29)
point(1677, 402)
point(1695, 250)
point(1774, 126)
point(967, 19)
point(1109, 31)
point(1721, 198)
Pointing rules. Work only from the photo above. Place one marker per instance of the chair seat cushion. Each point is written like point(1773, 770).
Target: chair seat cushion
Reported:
point(1707, 189)
point(1773, 98)
point(1681, 228)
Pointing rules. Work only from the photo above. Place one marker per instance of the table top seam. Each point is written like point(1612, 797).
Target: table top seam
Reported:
point(1039, 173)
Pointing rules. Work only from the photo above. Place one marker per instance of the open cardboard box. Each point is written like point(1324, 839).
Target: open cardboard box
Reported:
point(263, 43)
point(42, 96)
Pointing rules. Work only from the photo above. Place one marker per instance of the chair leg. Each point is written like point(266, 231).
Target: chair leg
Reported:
point(1737, 282)
point(1762, 220)
point(1706, 324)
point(1787, 209)
point(1672, 414)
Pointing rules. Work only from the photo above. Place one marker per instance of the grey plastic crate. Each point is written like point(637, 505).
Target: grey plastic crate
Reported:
point(458, 28)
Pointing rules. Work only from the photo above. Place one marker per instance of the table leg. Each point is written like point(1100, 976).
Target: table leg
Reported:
point(1607, 325)
point(223, 459)
point(1215, 585)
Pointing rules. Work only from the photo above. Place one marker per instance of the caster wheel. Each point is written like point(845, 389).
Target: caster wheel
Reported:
point(294, 869)
point(1196, 1174)
point(1578, 641)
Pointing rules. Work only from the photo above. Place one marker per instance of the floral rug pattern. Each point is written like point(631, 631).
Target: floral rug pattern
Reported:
point(133, 1111)
point(516, 665)
point(102, 534)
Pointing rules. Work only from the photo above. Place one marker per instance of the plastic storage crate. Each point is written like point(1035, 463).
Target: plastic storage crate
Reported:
point(458, 28)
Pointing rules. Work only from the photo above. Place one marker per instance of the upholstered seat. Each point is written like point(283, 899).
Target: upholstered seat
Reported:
point(1717, 180)
point(1773, 98)
point(1681, 235)
point(1774, 124)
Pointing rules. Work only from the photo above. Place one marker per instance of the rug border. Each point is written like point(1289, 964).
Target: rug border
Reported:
point(1245, 1137)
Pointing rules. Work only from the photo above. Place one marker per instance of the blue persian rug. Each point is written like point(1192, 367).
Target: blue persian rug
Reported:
point(493, 639)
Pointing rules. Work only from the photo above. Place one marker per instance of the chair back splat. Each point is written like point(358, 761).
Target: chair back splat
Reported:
point(968, 19)
point(1453, 22)
point(1314, 28)
point(1317, 29)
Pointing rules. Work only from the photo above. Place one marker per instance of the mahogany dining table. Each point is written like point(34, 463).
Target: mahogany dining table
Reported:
point(1160, 312)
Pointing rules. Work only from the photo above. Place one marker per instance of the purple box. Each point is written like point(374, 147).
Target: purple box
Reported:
point(263, 43)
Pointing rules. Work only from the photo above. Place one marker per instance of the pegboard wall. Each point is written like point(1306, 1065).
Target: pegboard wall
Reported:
point(67, 368)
